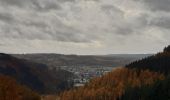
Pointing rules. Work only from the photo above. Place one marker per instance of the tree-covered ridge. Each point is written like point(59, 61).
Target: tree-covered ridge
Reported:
point(159, 62)
point(160, 90)
point(112, 86)
point(11, 90)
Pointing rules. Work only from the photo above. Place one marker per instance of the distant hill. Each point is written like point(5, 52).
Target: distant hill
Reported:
point(56, 60)
point(134, 56)
point(36, 76)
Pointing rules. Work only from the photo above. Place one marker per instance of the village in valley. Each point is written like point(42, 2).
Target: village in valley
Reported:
point(83, 74)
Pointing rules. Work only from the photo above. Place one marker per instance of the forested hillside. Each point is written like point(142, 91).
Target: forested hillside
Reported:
point(11, 90)
point(36, 76)
point(146, 79)
point(159, 62)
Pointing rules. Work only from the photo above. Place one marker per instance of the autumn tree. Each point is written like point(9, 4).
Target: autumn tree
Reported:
point(11, 90)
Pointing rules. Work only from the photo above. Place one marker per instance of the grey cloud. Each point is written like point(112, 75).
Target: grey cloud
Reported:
point(1, 44)
point(124, 30)
point(54, 29)
point(162, 22)
point(46, 6)
point(6, 17)
point(157, 5)
point(101, 23)
point(93, 0)
point(109, 8)
point(32, 4)
point(13, 2)
point(76, 0)
point(66, 0)
point(143, 19)
point(36, 28)
point(69, 34)
point(57, 35)
point(134, 26)
point(13, 20)
point(42, 31)
point(35, 24)
point(71, 37)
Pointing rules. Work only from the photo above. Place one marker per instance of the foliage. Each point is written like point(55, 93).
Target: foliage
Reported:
point(112, 86)
point(160, 90)
point(10, 90)
point(167, 49)
point(159, 63)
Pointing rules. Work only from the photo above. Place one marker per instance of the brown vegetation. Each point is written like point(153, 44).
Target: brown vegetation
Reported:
point(113, 85)
point(10, 90)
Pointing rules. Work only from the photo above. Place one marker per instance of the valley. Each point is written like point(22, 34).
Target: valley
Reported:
point(83, 67)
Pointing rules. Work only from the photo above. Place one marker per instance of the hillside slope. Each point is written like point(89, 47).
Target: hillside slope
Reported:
point(159, 62)
point(34, 75)
point(11, 90)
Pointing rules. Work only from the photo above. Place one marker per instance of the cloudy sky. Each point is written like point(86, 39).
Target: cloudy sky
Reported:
point(84, 26)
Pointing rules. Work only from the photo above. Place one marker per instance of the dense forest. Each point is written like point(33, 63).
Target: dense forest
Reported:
point(11, 90)
point(146, 79)
point(159, 62)
point(160, 90)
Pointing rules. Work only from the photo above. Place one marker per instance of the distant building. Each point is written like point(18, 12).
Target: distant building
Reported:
point(78, 85)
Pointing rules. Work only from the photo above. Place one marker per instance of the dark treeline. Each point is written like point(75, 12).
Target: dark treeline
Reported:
point(160, 90)
point(159, 62)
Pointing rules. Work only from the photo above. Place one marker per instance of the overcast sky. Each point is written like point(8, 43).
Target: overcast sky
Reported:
point(84, 26)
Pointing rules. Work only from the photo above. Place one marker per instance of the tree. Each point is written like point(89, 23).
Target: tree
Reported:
point(167, 49)
point(11, 90)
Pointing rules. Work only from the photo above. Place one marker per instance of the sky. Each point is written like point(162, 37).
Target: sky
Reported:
point(84, 26)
